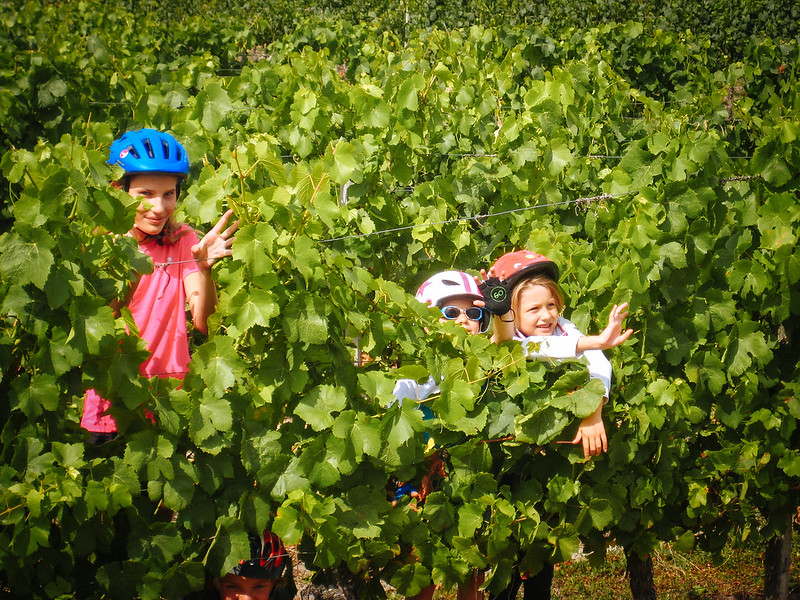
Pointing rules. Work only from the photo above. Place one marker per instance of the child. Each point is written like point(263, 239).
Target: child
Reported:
point(265, 575)
point(455, 294)
point(523, 294)
point(532, 315)
point(155, 165)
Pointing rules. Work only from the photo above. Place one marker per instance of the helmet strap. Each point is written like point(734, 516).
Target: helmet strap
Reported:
point(159, 237)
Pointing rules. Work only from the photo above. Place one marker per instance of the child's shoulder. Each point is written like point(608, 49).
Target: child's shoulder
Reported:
point(410, 388)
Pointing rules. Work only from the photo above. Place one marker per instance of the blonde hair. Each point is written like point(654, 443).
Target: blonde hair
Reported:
point(530, 282)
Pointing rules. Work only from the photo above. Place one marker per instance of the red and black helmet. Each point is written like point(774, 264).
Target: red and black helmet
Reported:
point(268, 558)
point(521, 264)
point(510, 269)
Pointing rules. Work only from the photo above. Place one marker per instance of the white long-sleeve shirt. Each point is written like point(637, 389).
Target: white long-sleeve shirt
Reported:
point(409, 388)
point(563, 344)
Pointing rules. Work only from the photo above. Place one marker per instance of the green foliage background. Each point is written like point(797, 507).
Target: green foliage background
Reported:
point(649, 172)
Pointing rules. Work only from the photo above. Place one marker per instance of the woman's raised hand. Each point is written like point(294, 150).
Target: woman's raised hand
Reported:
point(216, 243)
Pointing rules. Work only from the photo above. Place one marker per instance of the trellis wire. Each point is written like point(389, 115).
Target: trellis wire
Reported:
point(586, 200)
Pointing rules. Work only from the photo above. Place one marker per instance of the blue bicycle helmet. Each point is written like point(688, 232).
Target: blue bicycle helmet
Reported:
point(149, 151)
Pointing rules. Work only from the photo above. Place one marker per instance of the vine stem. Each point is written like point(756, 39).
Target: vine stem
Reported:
point(242, 176)
point(11, 509)
point(33, 182)
point(485, 378)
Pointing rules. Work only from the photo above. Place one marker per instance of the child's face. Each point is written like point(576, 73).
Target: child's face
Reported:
point(160, 197)
point(463, 303)
point(537, 311)
point(236, 587)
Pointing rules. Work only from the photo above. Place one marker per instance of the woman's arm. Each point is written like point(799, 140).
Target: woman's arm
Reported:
point(201, 293)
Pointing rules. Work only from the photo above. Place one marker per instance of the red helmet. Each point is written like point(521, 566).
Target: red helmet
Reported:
point(520, 264)
point(268, 558)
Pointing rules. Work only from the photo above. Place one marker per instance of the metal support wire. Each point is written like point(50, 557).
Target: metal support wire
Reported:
point(579, 201)
point(739, 178)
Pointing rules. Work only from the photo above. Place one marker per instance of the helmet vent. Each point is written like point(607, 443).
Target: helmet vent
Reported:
point(132, 150)
point(148, 147)
point(165, 148)
point(450, 282)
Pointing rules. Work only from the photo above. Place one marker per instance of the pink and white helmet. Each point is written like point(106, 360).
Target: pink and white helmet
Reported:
point(451, 284)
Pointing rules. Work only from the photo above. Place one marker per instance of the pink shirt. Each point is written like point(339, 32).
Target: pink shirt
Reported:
point(159, 310)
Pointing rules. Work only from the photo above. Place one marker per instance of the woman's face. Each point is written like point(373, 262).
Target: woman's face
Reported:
point(537, 311)
point(462, 303)
point(159, 193)
point(236, 587)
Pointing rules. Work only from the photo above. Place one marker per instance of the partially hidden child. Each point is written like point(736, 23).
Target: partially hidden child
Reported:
point(521, 290)
point(455, 294)
point(266, 574)
point(530, 312)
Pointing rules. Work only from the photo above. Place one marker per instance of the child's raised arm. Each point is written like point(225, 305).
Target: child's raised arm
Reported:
point(503, 324)
point(611, 336)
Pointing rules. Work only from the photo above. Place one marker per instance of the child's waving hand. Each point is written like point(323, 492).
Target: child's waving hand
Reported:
point(612, 335)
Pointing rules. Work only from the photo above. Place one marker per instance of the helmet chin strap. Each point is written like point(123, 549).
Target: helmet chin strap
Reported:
point(159, 237)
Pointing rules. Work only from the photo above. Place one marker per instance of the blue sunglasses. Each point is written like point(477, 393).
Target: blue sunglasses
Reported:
point(474, 313)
